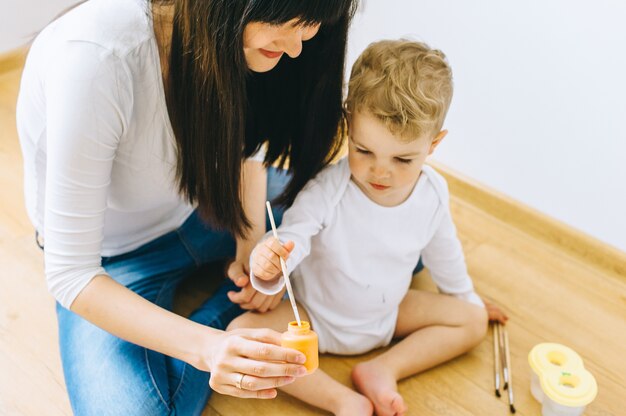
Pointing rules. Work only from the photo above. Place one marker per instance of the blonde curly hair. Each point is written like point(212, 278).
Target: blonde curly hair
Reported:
point(405, 84)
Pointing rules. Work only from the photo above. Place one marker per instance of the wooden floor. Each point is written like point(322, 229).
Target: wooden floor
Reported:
point(550, 295)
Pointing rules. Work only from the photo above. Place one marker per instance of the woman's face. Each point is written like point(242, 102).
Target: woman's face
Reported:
point(264, 43)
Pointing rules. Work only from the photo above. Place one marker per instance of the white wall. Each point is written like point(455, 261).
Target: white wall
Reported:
point(539, 111)
point(20, 19)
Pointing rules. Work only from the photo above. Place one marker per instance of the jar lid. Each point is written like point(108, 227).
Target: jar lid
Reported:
point(550, 355)
point(574, 388)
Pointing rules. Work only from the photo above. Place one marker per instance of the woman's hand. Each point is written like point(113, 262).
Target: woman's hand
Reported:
point(250, 363)
point(248, 297)
point(495, 313)
point(265, 261)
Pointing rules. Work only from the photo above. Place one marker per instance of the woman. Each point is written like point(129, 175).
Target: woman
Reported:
point(142, 126)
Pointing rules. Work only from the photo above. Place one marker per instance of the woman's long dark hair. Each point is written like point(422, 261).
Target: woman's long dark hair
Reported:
point(221, 112)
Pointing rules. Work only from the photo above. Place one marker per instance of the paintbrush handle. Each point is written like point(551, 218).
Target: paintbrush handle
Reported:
point(283, 267)
point(503, 363)
point(507, 354)
point(292, 298)
point(496, 358)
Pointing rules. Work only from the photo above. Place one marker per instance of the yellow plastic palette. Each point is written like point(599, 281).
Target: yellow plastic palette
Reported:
point(560, 381)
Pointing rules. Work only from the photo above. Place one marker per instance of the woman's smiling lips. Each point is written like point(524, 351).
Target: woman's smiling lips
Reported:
point(270, 54)
point(378, 187)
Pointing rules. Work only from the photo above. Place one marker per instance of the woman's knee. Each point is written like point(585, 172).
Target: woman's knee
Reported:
point(105, 374)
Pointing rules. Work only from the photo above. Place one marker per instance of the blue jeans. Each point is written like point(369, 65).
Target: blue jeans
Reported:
point(106, 375)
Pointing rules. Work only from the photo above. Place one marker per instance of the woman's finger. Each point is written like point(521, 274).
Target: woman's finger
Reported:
point(265, 346)
point(253, 383)
point(264, 302)
point(264, 369)
point(232, 383)
point(267, 352)
point(236, 273)
point(277, 299)
point(243, 297)
point(254, 301)
point(246, 394)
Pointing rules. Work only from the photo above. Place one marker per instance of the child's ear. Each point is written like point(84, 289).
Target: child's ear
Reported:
point(436, 140)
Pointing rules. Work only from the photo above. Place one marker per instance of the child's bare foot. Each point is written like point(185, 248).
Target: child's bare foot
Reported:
point(380, 386)
point(355, 405)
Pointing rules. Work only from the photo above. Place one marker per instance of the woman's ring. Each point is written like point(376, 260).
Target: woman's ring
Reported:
point(239, 381)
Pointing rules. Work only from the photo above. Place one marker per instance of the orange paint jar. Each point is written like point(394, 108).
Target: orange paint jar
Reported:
point(303, 339)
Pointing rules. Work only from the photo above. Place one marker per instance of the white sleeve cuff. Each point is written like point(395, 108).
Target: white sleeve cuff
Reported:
point(267, 287)
point(65, 286)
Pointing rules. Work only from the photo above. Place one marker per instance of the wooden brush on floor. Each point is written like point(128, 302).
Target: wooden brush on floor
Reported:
point(502, 362)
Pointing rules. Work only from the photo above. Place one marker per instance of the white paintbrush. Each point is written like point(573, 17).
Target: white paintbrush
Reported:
point(283, 266)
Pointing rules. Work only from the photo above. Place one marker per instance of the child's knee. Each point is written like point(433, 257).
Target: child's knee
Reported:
point(477, 324)
point(242, 321)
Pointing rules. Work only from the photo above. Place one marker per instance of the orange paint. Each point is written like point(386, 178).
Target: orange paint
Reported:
point(303, 339)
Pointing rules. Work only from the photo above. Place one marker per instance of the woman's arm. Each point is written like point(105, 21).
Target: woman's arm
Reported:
point(227, 355)
point(115, 308)
point(254, 190)
point(90, 100)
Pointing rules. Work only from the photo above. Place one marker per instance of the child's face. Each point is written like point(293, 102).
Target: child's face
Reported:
point(384, 167)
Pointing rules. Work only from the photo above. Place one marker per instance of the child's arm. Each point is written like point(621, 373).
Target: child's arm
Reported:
point(310, 212)
point(443, 256)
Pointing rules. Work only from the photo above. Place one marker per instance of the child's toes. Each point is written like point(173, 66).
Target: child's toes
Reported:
point(398, 406)
point(390, 403)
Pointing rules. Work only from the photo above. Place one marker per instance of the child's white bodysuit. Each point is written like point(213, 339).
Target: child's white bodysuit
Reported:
point(353, 259)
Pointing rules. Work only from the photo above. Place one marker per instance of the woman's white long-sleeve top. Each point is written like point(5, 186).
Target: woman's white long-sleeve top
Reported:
point(99, 151)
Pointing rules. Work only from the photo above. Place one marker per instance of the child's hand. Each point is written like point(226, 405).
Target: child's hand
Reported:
point(495, 313)
point(266, 256)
